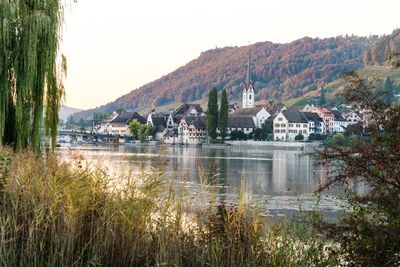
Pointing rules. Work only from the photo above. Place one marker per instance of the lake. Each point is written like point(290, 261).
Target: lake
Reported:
point(280, 181)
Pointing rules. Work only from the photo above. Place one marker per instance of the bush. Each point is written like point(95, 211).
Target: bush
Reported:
point(238, 135)
point(299, 137)
point(316, 137)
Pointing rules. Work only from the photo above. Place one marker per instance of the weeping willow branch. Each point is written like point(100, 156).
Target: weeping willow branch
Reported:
point(31, 88)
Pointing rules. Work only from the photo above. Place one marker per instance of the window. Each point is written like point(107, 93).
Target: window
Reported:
point(283, 131)
point(298, 125)
point(277, 131)
point(277, 125)
point(304, 125)
point(283, 125)
point(290, 124)
point(280, 119)
point(250, 97)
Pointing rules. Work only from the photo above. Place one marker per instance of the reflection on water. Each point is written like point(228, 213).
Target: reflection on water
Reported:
point(281, 180)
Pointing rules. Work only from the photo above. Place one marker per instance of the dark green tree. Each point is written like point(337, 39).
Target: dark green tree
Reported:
point(223, 115)
point(212, 113)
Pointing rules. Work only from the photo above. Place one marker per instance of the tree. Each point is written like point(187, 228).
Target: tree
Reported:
point(71, 121)
point(134, 127)
point(369, 235)
point(223, 115)
point(238, 135)
point(354, 129)
point(212, 114)
point(389, 90)
point(144, 132)
point(30, 78)
point(299, 137)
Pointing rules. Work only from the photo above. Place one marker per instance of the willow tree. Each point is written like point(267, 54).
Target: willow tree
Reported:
point(31, 72)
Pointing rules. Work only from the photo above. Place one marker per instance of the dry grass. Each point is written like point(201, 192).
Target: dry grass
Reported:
point(59, 214)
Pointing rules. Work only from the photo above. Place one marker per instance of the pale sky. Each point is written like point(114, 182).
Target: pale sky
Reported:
point(113, 47)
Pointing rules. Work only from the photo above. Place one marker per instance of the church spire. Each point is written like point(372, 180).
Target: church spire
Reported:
point(248, 72)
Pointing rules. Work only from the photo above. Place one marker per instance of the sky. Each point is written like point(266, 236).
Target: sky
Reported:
point(113, 47)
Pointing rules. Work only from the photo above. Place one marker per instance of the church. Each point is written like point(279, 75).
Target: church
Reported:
point(248, 90)
point(259, 115)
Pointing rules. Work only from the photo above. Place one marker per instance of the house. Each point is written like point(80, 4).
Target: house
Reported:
point(306, 108)
point(288, 124)
point(339, 122)
point(244, 124)
point(192, 130)
point(327, 117)
point(105, 125)
point(158, 122)
point(188, 110)
point(258, 114)
point(119, 125)
point(170, 137)
point(353, 117)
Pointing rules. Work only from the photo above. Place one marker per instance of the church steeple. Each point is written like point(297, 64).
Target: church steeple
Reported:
point(248, 72)
point(248, 90)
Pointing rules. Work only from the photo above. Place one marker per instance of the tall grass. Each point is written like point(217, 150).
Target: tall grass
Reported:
point(63, 214)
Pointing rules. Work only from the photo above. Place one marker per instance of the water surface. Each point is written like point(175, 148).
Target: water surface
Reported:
point(282, 182)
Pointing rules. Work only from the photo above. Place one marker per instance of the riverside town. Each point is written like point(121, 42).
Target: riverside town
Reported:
point(199, 133)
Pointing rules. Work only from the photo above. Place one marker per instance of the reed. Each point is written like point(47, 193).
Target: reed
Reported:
point(54, 213)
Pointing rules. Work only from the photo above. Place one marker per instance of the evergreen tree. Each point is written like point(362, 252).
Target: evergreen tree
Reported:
point(212, 113)
point(223, 115)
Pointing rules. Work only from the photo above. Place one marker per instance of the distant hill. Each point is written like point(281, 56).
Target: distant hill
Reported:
point(281, 72)
point(65, 112)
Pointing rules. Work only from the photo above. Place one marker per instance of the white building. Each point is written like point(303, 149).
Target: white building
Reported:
point(119, 126)
point(339, 122)
point(244, 124)
point(288, 124)
point(192, 130)
point(353, 117)
point(258, 114)
point(248, 90)
point(158, 122)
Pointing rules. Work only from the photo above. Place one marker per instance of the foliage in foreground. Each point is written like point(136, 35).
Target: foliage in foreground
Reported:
point(55, 214)
point(368, 167)
point(30, 78)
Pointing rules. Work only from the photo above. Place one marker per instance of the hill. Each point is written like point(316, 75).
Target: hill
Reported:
point(65, 112)
point(281, 71)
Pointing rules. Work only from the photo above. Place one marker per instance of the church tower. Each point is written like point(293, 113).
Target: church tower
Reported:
point(248, 90)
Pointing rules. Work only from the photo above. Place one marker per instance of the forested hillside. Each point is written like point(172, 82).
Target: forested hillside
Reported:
point(385, 51)
point(281, 71)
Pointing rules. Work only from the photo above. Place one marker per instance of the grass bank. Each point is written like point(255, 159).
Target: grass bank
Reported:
point(58, 214)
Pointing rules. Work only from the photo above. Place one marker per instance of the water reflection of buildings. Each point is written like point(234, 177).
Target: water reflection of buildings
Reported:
point(291, 172)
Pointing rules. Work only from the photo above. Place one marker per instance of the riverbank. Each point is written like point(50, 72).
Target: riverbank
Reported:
point(58, 214)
